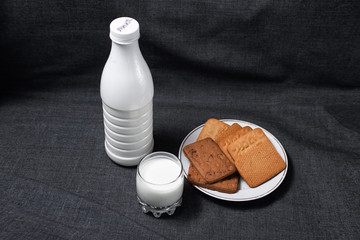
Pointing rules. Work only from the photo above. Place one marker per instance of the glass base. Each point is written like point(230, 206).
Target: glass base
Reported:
point(157, 211)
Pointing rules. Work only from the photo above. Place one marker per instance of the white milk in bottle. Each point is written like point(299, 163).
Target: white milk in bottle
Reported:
point(127, 92)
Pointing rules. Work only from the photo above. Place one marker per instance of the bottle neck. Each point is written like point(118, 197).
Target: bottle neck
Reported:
point(125, 49)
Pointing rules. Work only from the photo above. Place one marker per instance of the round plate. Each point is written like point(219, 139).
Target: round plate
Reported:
point(245, 193)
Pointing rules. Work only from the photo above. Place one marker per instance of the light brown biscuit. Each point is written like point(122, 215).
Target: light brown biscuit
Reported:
point(206, 156)
point(226, 141)
point(211, 128)
point(226, 185)
point(255, 157)
point(227, 132)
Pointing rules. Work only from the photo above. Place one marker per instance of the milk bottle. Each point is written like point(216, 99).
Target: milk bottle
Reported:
point(127, 92)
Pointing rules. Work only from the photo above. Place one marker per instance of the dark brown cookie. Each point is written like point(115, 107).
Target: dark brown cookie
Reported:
point(209, 160)
point(226, 185)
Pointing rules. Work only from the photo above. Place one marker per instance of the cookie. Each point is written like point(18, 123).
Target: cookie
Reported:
point(255, 157)
point(226, 185)
point(227, 132)
point(211, 163)
point(230, 138)
point(212, 128)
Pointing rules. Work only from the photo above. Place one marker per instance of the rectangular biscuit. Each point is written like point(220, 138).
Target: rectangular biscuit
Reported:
point(226, 141)
point(226, 185)
point(206, 156)
point(212, 128)
point(227, 132)
point(255, 157)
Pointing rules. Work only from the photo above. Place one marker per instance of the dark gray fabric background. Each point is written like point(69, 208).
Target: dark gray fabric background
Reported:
point(290, 66)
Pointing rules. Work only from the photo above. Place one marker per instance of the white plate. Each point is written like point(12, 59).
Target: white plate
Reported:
point(245, 193)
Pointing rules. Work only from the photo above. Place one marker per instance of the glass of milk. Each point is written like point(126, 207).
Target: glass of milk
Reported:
point(160, 183)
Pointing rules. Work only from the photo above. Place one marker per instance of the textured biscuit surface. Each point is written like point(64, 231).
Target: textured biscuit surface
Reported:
point(227, 132)
point(255, 157)
point(212, 128)
point(226, 185)
point(211, 163)
point(227, 140)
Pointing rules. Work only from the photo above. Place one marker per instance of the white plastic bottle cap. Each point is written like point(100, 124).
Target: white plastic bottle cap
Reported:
point(124, 30)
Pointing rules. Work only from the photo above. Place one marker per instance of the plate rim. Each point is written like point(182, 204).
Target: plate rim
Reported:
point(206, 191)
